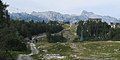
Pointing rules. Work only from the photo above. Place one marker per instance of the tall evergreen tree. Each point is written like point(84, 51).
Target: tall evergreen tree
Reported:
point(3, 14)
point(9, 40)
point(93, 30)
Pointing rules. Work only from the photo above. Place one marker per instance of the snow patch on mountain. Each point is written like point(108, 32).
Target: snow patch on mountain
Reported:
point(56, 16)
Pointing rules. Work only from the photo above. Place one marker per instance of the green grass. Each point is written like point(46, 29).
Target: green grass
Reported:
point(84, 50)
point(11, 54)
point(66, 26)
point(62, 49)
point(99, 49)
point(72, 28)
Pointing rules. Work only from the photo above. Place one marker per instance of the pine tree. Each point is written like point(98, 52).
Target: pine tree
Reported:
point(3, 14)
point(9, 40)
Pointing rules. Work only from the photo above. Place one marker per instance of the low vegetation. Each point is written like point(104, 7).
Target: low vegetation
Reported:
point(94, 50)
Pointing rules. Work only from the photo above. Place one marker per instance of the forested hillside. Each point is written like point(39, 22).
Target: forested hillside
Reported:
point(97, 30)
point(13, 32)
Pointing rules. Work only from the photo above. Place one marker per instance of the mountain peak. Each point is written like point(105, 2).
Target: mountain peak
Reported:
point(56, 16)
point(84, 12)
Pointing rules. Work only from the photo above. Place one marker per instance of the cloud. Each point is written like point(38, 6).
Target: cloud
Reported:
point(65, 6)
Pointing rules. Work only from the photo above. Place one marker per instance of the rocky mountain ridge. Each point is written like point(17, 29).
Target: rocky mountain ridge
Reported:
point(56, 16)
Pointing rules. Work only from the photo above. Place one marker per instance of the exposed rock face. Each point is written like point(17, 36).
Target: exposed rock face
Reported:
point(33, 49)
point(107, 19)
point(55, 16)
point(53, 56)
point(24, 57)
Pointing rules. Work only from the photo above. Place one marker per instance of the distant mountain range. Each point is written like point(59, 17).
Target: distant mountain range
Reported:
point(56, 16)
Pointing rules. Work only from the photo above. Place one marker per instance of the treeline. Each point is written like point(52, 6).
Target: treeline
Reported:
point(28, 29)
point(97, 30)
point(12, 35)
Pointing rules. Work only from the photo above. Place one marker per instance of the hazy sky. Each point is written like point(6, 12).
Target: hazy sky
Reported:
point(102, 7)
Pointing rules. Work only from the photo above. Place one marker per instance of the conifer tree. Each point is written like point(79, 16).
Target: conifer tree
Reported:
point(3, 14)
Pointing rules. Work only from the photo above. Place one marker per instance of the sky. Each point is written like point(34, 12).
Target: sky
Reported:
point(101, 7)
